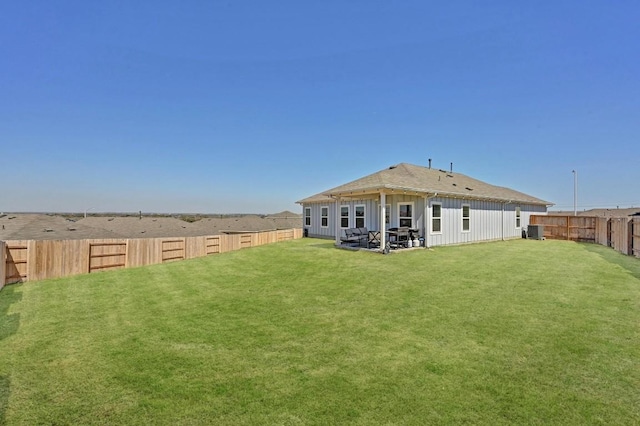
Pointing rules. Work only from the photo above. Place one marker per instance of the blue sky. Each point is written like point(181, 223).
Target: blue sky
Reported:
point(248, 106)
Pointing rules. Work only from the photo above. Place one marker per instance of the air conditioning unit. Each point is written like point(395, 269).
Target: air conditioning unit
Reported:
point(536, 232)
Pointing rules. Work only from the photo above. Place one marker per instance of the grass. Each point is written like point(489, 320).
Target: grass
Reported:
point(518, 332)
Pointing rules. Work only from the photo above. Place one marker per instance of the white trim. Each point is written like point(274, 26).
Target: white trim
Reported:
point(413, 213)
point(355, 216)
point(463, 218)
point(348, 216)
point(307, 216)
point(432, 217)
point(324, 216)
point(518, 217)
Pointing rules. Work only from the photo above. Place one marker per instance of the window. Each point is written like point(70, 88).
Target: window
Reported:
point(466, 218)
point(405, 214)
point(324, 215)
point(387, 214)
point(517, 217)
point(360, 216)
point(344, 216)
point(307, 216)
point(436, 218)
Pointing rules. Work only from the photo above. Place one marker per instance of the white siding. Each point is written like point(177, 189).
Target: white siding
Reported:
point(372, 213)
point(418, 210)
point(488, 221)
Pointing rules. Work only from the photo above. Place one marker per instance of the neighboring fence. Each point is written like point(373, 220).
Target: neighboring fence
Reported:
point(620, 233)
point(3, 262)
point(635, 237)
point(29, 260)
point(574, 228)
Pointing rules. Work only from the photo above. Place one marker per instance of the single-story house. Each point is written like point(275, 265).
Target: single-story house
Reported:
point(445, 207)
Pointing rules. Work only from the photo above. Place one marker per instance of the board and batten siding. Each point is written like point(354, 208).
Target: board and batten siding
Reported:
point(488, 220)
point(317, 230)
point(418, 210)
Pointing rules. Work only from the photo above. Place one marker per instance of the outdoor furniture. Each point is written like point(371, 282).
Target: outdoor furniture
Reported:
point(359, 236)
point(398, 237)
point(374, 239)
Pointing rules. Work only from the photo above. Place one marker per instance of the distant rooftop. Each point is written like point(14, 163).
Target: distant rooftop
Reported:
point(628, 211)
point(38, 226)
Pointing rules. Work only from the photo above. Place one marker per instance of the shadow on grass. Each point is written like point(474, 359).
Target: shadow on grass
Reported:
point(8, 325)
point(630, 263)
point(5, 389)
point(8, 322)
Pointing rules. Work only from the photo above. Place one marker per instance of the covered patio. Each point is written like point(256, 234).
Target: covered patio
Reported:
point(409, 232)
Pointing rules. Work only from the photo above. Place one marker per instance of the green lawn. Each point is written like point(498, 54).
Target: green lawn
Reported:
point(518, 332)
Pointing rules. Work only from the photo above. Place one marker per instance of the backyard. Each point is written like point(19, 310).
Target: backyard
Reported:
point(516, 332)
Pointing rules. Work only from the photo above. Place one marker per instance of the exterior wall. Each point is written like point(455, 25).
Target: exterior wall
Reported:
point(418, 210)
point(316, 229)
point(488, 220)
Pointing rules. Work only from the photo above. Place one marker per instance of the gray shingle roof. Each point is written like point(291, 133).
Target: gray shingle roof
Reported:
point(422, 180)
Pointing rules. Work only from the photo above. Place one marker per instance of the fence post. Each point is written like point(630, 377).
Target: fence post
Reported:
point(3, 263)
point(630, 236)
point(635, 245)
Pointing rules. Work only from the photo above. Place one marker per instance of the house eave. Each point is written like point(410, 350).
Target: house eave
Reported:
point(394, 190)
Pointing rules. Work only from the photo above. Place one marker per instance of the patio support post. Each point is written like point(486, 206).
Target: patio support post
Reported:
point(337, 221)
point(425, 218)
point(383, 215)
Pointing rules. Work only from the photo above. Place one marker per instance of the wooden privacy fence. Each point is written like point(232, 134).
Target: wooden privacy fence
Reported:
point(620, 233)
point(635, 237)
point(29, 260)
point(574, 228)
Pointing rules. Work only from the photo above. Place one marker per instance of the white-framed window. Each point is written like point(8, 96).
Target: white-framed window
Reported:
point(307, 216)
point(344, 216)
point(360, 215)
point(517, 217)
point(466, 218)
point(324, 216)
point(436, 218)
point(405, 214)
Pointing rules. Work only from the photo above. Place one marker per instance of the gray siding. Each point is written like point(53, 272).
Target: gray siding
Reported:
point(316, 230)
point(489, 220)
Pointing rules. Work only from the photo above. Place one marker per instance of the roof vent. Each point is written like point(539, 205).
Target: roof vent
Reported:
point(468, 189)
point(393, 167)
point(448, 175)
point(455, 184)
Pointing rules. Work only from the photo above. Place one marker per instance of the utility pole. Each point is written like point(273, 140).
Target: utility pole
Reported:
point(575, 193)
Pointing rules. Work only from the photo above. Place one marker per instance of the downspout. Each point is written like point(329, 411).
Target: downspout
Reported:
point(502, 220)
